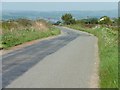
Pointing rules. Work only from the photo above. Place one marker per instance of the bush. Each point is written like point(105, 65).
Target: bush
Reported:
point(105, 20)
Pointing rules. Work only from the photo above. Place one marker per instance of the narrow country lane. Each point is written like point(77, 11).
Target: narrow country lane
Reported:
point(67, 60)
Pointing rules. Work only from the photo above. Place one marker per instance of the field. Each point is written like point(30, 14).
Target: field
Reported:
point(108, 53)
point(15, 32)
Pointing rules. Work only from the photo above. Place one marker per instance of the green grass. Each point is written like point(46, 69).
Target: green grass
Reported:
point(18, 31)
point(108, 53)
point(16, 37)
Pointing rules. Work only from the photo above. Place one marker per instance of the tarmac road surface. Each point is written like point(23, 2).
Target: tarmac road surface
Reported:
point(66, 61)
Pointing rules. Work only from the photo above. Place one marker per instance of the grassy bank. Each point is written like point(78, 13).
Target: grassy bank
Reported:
point(16, 32)
point(108, 53)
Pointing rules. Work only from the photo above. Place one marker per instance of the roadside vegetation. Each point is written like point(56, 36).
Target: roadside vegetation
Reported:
point(106, 30)
point(15, 32)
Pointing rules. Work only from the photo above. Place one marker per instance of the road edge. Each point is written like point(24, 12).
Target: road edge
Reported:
point(26, 44)
point(94, 82)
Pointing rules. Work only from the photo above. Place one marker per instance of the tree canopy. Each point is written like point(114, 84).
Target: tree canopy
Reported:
point(68, 19)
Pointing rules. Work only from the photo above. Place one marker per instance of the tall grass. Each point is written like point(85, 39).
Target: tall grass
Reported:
point(108, 53)
point(16, 32)
point(20, 36)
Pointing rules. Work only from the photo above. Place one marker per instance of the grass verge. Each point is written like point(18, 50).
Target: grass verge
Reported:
point(17, 37)
point(108, 53)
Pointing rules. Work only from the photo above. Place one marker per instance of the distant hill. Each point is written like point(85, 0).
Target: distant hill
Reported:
point(55, 15)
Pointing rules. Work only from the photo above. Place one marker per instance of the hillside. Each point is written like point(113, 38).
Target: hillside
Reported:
point(55, 15)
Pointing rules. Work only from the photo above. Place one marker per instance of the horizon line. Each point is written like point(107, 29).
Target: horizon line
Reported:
point(59, 10)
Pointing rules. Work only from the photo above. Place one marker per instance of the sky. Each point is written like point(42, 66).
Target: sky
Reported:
point(59, 6)
point(60, 0)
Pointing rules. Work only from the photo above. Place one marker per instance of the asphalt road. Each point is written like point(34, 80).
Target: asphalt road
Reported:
point(64, 61)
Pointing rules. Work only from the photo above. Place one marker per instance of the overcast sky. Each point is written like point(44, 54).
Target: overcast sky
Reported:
point(59, 6)
point(60, 0)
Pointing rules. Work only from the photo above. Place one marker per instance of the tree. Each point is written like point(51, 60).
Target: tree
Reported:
point(68, 19)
